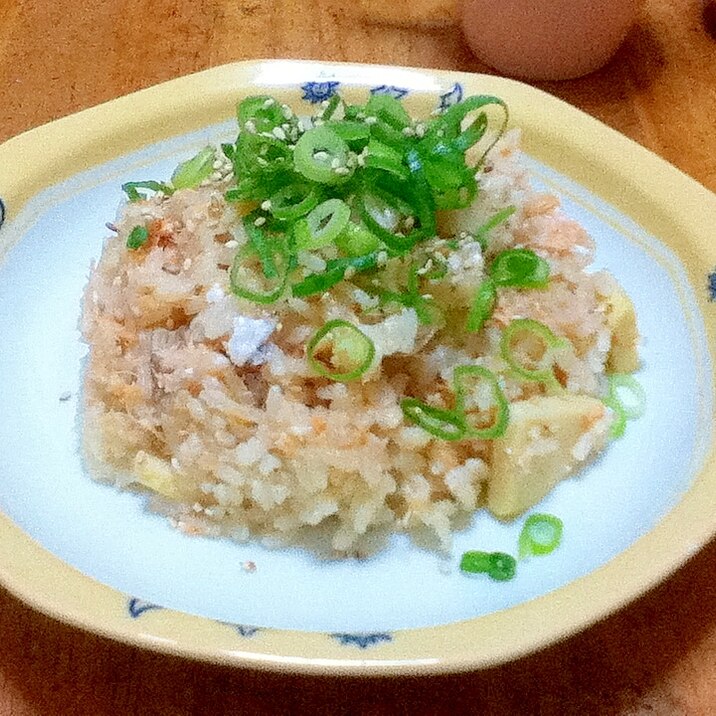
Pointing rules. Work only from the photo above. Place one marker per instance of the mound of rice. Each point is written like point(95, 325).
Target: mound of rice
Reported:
point(207, 400)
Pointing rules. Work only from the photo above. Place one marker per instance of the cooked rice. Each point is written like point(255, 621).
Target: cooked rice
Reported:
point(208, 400)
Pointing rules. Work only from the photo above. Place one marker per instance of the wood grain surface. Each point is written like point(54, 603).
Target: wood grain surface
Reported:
point(658, 656)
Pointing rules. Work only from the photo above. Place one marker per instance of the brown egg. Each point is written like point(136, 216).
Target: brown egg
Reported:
point(546, 39)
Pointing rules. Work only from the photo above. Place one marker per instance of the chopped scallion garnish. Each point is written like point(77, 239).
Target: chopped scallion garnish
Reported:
point(497, 565)
point(137, 237)
point(470, 383)
point(529, 348)
point(323, 225)
point(482, 305)
point(340, 351)
point(191, 173)
point(442, 423)
point(540, 535)
point(521, 268)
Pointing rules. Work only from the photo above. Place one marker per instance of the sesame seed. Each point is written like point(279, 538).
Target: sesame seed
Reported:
point(218, 163)
point(261, 162)
point(371, 120)
point(266, 205)
point(336, 163)
point(287, 111)
point(420, 130)
point(408, 131)
point(342, 171)
point(260, 221)
point(279, 133)
point(250, 127)
point(232, 244)
point(349, 273)
point(269, 102)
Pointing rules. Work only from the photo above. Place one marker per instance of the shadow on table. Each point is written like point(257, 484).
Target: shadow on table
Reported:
point(635, 662)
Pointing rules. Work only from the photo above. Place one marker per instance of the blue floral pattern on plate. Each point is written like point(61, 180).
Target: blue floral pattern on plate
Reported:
point(363, 641)
point(712, 285)
point(136, 607)
point(390, 90)
point(317, 92)
point(2, 213)
point(451, 97)
point(246, 630)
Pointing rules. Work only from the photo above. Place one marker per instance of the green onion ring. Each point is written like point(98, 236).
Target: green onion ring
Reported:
point(497, 565)
point(137, 237)
point(619, 381)
point(319, 155)
point(442, 423)
point(462, 376)
point(520, 267)
point(349, 342)
point(482, 305)
point(540, 535)
point(322, 225)
point(255, 285)
point(544, 371)
point(293, 201)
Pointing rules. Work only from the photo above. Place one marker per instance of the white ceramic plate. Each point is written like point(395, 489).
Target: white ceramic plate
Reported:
point(405, 609)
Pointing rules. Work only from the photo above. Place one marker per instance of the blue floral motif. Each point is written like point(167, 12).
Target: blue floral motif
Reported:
point(2, 213)
point(317, 92)
point(451, 97)
point(246, 630)
point(363, 641)
point(391, 90)
point(136, 607)
point(712, 285)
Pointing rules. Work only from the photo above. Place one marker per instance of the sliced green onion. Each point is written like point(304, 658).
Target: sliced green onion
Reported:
point(259, 277)
point(335, 272)
point(541, 535)
point(355, 134)
point(340, 351)
point(321, 155)
point(194, 171)
point(389, 109)
point(450, 123)
point(442, 423)
point(539, 340)
point(261, 113)
point(331, 106)
point(356, 240)
point(130, 189)
point(467, 382)
point(618, 426)
point(495, 220)
point(322, 225)
point(137, 237)
point(521, 268)
point(382, 213)
point(293, 201)
point(497, 565)
point(261, 244)
point(482, 305)
point(385, 158)
point(635, 404)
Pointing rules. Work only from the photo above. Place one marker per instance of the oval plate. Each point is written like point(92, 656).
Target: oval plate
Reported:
point(96, 558)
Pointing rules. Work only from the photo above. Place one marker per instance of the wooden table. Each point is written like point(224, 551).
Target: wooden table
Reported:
point(658, 656)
